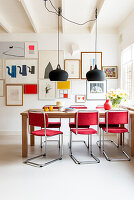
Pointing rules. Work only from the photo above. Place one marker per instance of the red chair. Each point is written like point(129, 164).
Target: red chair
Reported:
point(85, 118)
point(113, 118)
point(53, 124)
point(40, 119)
point(72, 124)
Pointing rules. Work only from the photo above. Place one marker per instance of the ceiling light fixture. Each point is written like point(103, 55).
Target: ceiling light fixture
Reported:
point(95, 74)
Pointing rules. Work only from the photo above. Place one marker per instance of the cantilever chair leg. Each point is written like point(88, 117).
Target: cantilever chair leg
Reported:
point(120, 159)
point(89, 147)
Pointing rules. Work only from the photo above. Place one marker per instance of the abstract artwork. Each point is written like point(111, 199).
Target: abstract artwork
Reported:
point(31, 50)
point(88, 62)
point(12, 50)
point(72, 66)
point(80, 98)
point(48, 61)
point(63, 89)
point(1, 69)
point(63, 85)
point(14, 95)
point(30, 89)
point(21, 71)
point(96, 90)
point(111, 72)
point(63, 94)
point(1, 88)
point(47, 89)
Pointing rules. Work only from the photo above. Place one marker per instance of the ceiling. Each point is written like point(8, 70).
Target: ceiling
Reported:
point(30, 16)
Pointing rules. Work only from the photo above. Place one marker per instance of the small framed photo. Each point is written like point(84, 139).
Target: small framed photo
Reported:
point(88, 62)
point(96, 90)
point(72, 66)
point(80, 98)
point(1, 88)
point(31, 50)
point(14, 95)
point(111, 72)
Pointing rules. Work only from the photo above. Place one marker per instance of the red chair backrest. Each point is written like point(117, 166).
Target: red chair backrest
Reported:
point(87, 118)
point(78, 107)
point(117, 117)
point(37, 119)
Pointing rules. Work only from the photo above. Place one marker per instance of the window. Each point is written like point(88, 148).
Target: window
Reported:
point(127, 71)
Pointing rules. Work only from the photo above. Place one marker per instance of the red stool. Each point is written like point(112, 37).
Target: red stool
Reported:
point(113, 118)
point(85, 118)
point(40, 119)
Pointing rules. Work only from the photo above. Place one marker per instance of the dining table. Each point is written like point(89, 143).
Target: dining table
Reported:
point(63, 114)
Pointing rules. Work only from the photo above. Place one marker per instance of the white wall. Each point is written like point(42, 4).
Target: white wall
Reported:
point(10, 119)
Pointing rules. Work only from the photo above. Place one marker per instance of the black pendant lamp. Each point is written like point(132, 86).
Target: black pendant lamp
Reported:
point(95, 74)
point(58, 74)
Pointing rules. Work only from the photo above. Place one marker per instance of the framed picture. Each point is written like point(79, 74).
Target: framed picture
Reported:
point(88, 62)
point(80, 98)
point(48, 61)
point(21, 71)
point(63, 89)
point(30, 89)
point(12, 50)
point(14, 95)
point(96, 90)
point(1, 88)
point(31, 50)
point(47, 89)
point(111, 72)
point(72, 66)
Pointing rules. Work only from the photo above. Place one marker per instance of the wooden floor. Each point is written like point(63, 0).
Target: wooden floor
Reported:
point(63, 180)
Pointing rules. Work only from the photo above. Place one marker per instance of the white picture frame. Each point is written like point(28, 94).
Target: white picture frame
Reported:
point(1, 88)
point(96, 90)
point(80, 98)
point(88, 62)
point(21, 71)
point(47, 90)
point(72, 67)
point(31, 49)
point(48, 61)
point(14, 95)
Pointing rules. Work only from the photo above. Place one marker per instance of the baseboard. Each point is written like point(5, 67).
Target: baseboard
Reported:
point(10, 132)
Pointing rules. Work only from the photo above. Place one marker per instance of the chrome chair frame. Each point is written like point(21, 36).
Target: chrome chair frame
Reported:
point(104, 152)
point(28, 161)
point(89, 146)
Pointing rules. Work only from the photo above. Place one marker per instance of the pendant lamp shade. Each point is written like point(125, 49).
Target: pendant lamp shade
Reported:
point(95, 75)
point(58, 74)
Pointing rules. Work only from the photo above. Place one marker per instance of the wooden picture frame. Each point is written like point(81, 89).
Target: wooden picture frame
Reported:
point(2, 87)
point(88, 60)
point(72, 66)
point(14, 95)
point(96, 90)
point(111, 72)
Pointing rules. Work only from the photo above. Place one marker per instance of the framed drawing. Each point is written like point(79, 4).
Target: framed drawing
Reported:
point(80, 98)
point(88, 62)
point(21, 71)
point(47, 89)
point(31, 50)
point(1, 69)
point(1, 88)
point(14, 95)
point(72, 66)
point(111, 72)
point(48, 61)
point(11, 50)
point(96, 90)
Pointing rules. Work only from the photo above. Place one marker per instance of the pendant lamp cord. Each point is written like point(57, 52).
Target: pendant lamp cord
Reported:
point(96, 40)
point(59, 12)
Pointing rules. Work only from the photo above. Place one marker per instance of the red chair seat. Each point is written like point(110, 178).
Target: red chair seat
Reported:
point(103, 125)
point(48, 132)
point(54, 124)
point(73, 125)
point(87, 131)
point(115, 130)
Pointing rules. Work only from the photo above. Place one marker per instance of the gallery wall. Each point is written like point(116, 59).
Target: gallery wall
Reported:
point(108, 44)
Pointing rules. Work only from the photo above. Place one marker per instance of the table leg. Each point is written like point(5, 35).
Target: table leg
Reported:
point(31, 136)
point(132, 136)
point(24, 136)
